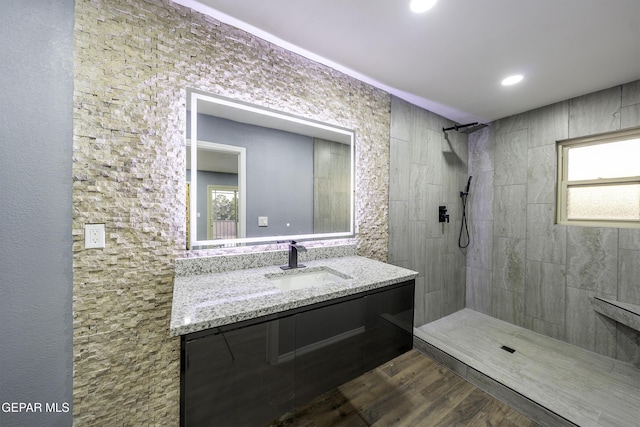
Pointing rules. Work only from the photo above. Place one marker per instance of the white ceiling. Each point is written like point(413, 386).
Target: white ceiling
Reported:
point(451, 59)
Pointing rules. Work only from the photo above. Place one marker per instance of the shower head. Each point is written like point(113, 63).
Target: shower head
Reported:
point(473, 128)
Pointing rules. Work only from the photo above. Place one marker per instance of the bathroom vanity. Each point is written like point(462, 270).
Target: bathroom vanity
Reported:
point(257, 343)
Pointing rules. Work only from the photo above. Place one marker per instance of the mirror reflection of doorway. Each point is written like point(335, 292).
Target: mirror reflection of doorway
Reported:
point(224, 167)
point(222, 212)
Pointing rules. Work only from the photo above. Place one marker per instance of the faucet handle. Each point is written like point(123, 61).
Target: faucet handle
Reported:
point(442, 214)
point(290, 242)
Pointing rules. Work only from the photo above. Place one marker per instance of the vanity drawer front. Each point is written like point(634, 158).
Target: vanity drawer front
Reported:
point(231, 378)
point(253, 372)
point(388, 326)
point(329, 343)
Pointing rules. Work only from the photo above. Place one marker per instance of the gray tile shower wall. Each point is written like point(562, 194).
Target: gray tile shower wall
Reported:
point(521, 266)
point(427, 171)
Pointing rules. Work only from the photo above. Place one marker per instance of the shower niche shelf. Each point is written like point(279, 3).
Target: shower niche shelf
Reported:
point(622, 312)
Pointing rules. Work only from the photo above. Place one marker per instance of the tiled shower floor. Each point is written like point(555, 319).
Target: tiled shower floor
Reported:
point(585, 388)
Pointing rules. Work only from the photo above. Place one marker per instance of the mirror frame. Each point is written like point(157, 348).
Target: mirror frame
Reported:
point(252, 114)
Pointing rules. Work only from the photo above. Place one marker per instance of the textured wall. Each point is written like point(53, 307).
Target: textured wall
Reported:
point(427, 171)
point(36, 113)
point(134, 61)
point(523, 268)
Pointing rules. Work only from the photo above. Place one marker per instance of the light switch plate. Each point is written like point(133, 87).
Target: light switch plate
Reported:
point(263, 221)
point(94, 236)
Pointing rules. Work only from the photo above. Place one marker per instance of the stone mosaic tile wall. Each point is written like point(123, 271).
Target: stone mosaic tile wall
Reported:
point(133, 62)
point(521, 266)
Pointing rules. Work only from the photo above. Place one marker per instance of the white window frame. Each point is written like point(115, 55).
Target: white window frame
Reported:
point(564, 184)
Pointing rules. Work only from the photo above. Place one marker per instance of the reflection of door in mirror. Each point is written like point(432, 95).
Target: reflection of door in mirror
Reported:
point(222, 212)
point(221, 167)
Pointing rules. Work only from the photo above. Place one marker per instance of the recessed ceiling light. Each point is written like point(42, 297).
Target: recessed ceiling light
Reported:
point(511, 80)
point(420, 6)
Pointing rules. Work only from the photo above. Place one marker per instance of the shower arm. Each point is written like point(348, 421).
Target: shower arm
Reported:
point(468, 128)
point(458, 127)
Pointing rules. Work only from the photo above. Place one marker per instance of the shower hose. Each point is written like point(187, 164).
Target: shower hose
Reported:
point(464, 226)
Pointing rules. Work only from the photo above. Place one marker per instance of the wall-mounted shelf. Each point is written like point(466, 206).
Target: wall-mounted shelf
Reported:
point(625, 313)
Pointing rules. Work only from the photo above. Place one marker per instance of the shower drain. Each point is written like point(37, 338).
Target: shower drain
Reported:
point(509, 349)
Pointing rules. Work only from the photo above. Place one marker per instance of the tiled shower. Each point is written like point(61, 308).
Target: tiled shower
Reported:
point(520, 266)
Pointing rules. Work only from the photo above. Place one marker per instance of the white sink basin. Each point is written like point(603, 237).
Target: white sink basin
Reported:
point(300, 279)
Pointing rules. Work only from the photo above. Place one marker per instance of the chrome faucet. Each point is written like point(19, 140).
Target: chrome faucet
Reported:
point(294, 248)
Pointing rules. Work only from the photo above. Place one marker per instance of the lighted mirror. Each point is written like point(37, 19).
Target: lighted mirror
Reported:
point(255, 175)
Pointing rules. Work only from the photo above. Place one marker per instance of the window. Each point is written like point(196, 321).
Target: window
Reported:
point(599, 180)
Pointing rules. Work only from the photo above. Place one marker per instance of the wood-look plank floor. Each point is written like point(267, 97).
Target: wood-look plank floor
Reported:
point(410, 390)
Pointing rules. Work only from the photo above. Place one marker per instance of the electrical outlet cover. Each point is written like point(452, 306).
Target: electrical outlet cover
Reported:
point(94, 236)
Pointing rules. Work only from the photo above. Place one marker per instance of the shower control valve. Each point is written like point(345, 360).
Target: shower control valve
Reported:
point(442, 214)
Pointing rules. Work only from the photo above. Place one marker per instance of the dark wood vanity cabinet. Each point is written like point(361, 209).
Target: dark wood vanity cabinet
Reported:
point(252, 372)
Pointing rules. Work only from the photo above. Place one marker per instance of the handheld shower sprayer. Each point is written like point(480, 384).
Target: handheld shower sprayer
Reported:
point(468, 185)
point(464, 225)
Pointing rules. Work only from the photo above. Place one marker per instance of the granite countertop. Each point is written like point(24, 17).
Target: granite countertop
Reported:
point(206, 301)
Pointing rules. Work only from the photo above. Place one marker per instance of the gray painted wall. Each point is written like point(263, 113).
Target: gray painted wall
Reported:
point(279, 174)
point(35, 208)
point(521, 266)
